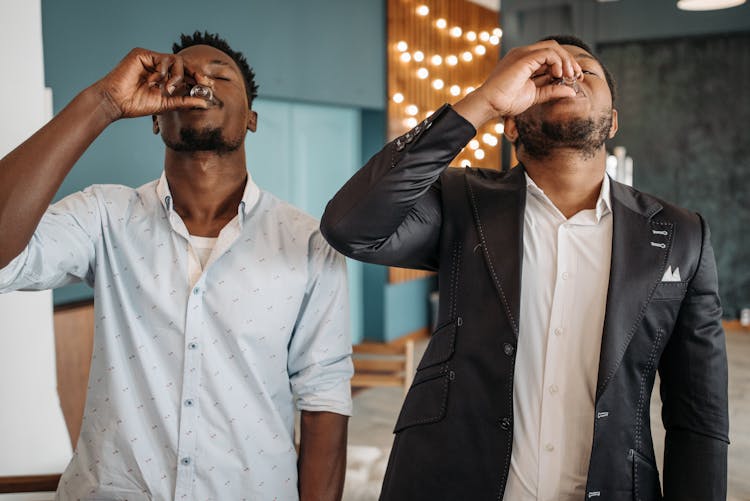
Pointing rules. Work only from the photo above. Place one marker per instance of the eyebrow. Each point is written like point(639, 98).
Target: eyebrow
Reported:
point(219, 61)
point(585, 56)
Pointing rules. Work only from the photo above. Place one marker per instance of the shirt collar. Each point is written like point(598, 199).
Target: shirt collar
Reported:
point(250, 196)
point(603, 203)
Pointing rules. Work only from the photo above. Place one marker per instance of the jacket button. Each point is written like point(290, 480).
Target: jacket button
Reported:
point(505, 424)
point(509, 349)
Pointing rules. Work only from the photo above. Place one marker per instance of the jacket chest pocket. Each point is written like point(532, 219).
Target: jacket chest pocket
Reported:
point(428, 396)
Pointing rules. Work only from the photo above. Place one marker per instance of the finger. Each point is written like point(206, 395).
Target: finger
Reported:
point(546, 61)
point(185, 102)
point(552, 92)
point(202, 79)
point(570, 66)
point(177, 73)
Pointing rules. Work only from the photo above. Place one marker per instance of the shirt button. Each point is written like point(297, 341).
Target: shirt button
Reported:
point(189, 402)
point(558, 331)
point(185, 461)
point(508, 349)
point(553, 389)
point(565, 275)
point(505, 424)
point(197, 291)
point(193, 346)
point(549, 447)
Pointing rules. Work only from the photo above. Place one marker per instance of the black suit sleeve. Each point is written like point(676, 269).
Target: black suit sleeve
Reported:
point(390, 212)
point(693, 372)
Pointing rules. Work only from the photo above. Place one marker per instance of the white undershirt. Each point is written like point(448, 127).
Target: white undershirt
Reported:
point(202, 247)
point(564, 285)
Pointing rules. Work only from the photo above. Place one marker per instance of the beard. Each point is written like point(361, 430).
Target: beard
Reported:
point(540, 137)
point(206, 139)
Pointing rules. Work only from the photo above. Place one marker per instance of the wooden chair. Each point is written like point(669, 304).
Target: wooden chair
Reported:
point(380, 364)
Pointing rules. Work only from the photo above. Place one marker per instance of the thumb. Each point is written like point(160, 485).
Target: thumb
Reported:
point(554, 91)
point(184, 102)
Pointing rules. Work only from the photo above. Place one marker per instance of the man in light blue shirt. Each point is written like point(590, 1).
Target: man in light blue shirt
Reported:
point(219, 308)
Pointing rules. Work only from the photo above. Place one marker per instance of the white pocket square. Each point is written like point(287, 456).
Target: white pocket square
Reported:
point(671, 276)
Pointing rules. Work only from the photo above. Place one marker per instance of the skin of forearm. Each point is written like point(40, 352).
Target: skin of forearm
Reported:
point(322, 456)
point(31, 174)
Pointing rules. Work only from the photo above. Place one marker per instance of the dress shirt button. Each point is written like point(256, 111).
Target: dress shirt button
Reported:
point(508, 349)
point(185, 461)
point(193, 346)
point(565, 275)
point(196, 291)
point(189, 402)
point(549, 447)
point(553, 389)
point(505, 424)
point(558, 331)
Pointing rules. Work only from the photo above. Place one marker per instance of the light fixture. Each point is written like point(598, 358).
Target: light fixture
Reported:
point(480, 50)
point(471, 36)
point(411, 122)
point(405, 57)
point(412, 110)
point(419, 56)
point(500, 127)
point(456, 32)
point(451, 60)
point(455, 90)
point(437, 84)
point(466, 56)
point(398, 98)
point(479, 154)
point(441, 23)
point(402, 46)
point(423, 10)
point(708, 4)
point(437, 60)
point(422, 73)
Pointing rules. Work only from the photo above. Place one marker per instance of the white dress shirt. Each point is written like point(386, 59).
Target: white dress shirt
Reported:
point(564, 286)
point(196, 370)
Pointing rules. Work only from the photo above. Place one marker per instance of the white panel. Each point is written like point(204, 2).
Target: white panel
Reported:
point(33, 436)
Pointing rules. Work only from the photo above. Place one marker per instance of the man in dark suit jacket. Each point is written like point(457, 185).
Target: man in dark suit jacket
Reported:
point(536, 385)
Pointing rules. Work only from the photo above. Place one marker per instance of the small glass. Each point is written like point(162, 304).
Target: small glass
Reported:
point(571, 82)
point(202, 91)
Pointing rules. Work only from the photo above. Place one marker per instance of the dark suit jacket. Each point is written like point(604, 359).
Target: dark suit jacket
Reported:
point(454, 434)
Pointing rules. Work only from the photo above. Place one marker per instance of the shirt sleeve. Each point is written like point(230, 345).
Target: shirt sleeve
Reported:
point(320, 365)
point(61, 250)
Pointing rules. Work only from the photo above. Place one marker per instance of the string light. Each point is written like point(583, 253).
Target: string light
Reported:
point(437, 60)
point(427, 114)
point(398, 98)
point(402, 46)
point(468, 90)
point(410, 122)
point(418, 56)
point(465, 163)
point(405, 57)
point(451, 60)
point(497, 32)
point(456, 32)
point(471, 36)
point(437, 84)
point(473, 144)
point(484, 36)
point(499, 128)
point(489, 139)
point(455, 90)
point(479, 154)
point(466, 56)
point(480, 50)
point(423, 10)
point(494, 40)
point(422, 73)
point(412, 110)
point(441, 23)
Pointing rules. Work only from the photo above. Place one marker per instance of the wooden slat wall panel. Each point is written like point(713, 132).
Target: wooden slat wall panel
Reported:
point(74, 340)
point(421, 33)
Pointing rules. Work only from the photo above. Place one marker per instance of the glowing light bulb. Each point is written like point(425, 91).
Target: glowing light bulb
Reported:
point(412, 110)
point(473, 144)
point(480, 50)
point(398, 97)
point(423, 73)
point(456, 32)
point(497, 32)
point(437, 84)
point(423, 10)
point(471, 36)
point(410, 122)
point(494, 40)
point(465, 163)
point(484, 36)
point(402, 46)
point(499, 128)
point(436, 60)
point(451, 60)
point(489, 139)
point(418, 56)
point(479, 154)
point(455, 90)
point(468, 89)
point(405, 57)
point(441, 23)
point(428, 113)
point(466, 56)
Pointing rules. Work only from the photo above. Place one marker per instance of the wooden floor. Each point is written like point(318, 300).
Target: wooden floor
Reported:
point(375, 412)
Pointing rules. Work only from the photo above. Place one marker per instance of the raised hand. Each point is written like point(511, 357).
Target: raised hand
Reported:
point(145, 83)
point(524, 77)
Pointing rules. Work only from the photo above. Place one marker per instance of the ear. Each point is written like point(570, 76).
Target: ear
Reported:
point(510, 132)
point(613, 129)
point(252, 121)
point(155, 124)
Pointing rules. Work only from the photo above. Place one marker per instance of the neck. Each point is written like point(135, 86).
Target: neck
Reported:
point(206, 188)
point(570, 181)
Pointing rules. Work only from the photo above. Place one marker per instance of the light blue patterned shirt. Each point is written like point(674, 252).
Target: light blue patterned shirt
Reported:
point(196, 373)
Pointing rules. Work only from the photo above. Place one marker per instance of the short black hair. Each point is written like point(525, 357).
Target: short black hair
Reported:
point(215, 41)
point(577, 42)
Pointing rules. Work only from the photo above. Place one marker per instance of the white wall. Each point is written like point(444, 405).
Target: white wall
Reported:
point(33, 436)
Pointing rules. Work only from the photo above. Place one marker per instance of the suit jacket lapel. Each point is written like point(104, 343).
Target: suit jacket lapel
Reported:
point(640, 248)
point(498, 206)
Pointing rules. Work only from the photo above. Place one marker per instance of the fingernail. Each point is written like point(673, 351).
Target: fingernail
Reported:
point(171, 89)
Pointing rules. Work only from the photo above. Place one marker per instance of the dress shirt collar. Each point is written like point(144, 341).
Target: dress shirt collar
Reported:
point(250, 196)
point(603, 203)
